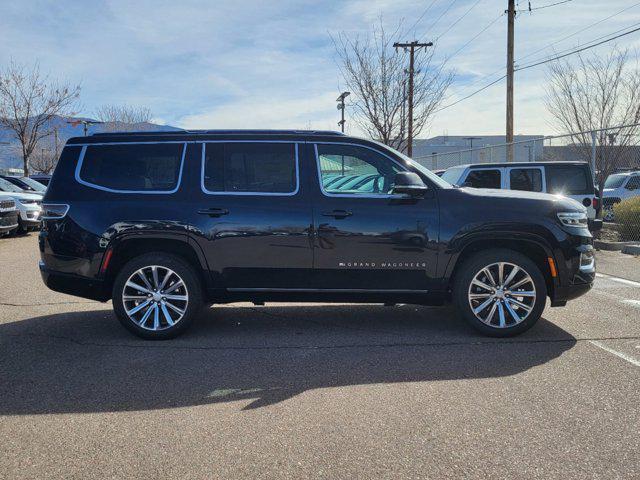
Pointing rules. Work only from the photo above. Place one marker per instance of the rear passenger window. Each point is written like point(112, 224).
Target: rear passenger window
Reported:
point(568, 180)
point(250, 168)
point(529, 179)
point(133, 167)
point(483, 179)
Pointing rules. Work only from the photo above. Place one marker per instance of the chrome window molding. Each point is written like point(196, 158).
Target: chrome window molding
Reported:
point(144, 192)
point(261, 194)
point(354, 195)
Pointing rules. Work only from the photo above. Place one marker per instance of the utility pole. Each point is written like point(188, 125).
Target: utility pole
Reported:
point(340, 101)
point(412, 46)
point(511, 15)
point(85, 124)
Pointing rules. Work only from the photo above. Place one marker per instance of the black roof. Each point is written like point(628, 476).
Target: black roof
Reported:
point(199, 135)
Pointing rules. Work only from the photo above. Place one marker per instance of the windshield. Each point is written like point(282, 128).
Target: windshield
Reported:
point(422, 169)
point(37, 186)
point(452, 175)
point(7, 186)
point(614, 181)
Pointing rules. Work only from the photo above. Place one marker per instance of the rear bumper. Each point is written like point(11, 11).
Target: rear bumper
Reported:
point(75, 285)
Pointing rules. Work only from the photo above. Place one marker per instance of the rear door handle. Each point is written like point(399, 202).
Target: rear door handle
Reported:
point(338, 214)
point(213, 212)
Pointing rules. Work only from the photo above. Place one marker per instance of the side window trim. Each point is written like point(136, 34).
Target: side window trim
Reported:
point(141, 192)
point(261, 194)
point(353, 195)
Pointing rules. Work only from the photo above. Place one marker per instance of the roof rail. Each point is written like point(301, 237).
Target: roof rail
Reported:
point(220, 132)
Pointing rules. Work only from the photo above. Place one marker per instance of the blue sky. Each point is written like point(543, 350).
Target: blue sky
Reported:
point(271, 64)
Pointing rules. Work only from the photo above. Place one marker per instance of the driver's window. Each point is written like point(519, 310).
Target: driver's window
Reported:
point(353, 170)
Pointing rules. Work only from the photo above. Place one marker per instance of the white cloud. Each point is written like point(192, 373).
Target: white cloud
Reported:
point(270, 64)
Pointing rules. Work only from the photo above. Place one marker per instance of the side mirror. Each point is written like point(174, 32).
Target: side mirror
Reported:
point(410, 184)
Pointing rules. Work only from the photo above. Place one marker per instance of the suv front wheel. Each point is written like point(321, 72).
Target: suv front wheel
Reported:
point(156, 296)
point(500, 292)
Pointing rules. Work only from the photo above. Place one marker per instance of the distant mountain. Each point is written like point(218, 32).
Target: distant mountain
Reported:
point(10, 156)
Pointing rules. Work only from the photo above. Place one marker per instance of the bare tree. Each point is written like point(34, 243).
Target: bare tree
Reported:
point(45, 155)
point(123, 117)
point(28, 103)
point(376, 75)
point(598, 93)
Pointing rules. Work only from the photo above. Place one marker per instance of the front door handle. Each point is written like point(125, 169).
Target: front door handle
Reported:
point(213, 212)
point(338, 214)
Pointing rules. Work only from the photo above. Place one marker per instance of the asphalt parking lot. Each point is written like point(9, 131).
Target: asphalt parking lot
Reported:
point(317, 391)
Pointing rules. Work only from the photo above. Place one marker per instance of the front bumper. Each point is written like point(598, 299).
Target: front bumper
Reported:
point(92, 289)
point(577, 278)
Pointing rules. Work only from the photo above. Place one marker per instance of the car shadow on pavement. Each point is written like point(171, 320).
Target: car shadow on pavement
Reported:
point(85, 362)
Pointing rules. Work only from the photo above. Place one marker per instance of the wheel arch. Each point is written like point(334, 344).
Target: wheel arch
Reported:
point(125, 247)
point(535, 248)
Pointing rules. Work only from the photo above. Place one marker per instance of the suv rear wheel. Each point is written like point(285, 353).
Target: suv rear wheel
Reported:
point(156, 296)
point(500, 292)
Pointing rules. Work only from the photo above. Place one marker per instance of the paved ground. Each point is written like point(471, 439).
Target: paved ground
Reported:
point(300, 391)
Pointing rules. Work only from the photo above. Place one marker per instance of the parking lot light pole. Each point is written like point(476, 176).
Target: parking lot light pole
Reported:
point(340, 101)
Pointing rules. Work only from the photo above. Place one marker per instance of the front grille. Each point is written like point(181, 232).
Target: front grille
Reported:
point(7, 204)
point(9, 219)
point(610, 201)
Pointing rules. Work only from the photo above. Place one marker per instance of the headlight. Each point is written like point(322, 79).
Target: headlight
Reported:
point(573, 219)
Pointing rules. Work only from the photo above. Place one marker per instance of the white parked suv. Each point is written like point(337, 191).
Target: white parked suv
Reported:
point(618, 187)
point(29, 205)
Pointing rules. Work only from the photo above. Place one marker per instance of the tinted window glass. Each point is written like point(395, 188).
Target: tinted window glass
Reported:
point(353, 170)
point(483, 179)
point(133, 167)
point(614, 181)
point(633, 183)
point(529, 179)
point(250, 167)
point(568, 180)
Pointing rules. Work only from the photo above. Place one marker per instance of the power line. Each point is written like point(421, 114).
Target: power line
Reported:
point(525, 67)
point(441, 15)
point(421, 16)
point(544, 6)
point(474, 37)
point(458, 20)
point(519, 60)
point(578, 50)
point(577, 32)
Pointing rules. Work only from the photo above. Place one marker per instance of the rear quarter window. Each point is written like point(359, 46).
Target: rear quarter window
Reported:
point(133, 167)
point(568, 180)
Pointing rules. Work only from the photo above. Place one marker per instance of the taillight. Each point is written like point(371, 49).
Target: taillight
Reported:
point(596, 202)
point(54, 211)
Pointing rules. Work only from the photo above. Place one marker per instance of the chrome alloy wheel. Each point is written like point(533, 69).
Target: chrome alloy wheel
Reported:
point(502, 295)
point(155, 297)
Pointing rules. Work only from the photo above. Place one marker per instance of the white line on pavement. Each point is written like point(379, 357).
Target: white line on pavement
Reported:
point(624, 356)
point(618, 279)
point(633, 303)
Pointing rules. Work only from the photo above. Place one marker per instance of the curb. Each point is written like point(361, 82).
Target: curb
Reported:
point(631, 249)
point(612, 246)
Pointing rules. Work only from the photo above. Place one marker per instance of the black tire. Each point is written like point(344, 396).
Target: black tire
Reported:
point(186, 273)
point(472, 266)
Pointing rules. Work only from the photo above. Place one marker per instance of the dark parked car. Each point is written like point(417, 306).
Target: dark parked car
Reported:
point(42, 178)
point(162, 223)
point(29, 185)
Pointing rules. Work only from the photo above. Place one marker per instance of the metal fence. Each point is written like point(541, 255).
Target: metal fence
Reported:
point(609, 151)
